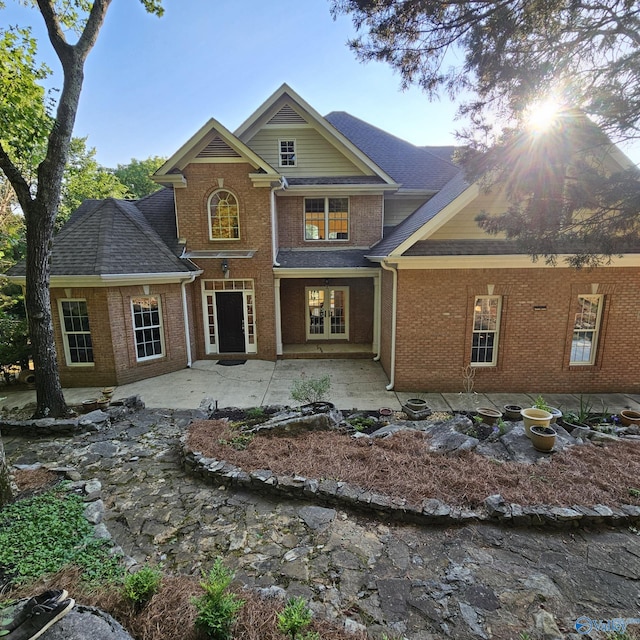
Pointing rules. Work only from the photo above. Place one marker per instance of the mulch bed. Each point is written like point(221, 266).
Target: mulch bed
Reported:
point(400, 466)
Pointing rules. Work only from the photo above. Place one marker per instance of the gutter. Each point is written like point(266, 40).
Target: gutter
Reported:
point(394, 308)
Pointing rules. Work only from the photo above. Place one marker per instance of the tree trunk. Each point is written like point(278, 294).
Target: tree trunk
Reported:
point(50, 400)
point(6, 495)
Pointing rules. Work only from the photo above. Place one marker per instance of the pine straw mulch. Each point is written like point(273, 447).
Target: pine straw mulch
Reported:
point(170, 615)
point(400, 466)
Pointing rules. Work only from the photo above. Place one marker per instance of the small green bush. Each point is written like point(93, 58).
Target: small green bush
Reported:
point(140, 587)
point(217, 608)
point(256, 413)
point(308, 390)
point(294, 618)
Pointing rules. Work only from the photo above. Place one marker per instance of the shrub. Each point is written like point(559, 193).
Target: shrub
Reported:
point(308, 390)
point(218, 607)
point(295, 617)
point(139, 587)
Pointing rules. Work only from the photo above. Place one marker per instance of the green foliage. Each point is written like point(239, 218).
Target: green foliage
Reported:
point(218, 607)
point(139, 587)
point(136, 176)
point(85, 179)
point(307, 390)
point(43, 534)
point(15, 348)
point(360, 423)
point(294, 618)
point(634, 492)
point(256, 413)
point(239, 442)
point(541, 403)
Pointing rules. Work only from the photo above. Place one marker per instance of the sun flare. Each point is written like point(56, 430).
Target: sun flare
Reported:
point(542, 115)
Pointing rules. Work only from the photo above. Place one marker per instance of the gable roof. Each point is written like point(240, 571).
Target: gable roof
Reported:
point(408, 230)
point(286, 104)
point(415, 168)
point(212, 140)
point(110, 238)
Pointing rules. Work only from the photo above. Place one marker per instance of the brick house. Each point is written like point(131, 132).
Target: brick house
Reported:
point(305, 236)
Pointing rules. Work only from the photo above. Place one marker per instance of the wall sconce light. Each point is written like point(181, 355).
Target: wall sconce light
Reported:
point(225, 266)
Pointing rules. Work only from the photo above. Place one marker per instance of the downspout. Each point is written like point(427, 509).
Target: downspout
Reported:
point(282, 185)
point(185, 315)
point(394, 309)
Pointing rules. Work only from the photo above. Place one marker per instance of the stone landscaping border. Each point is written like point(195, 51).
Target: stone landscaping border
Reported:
point(494, 509)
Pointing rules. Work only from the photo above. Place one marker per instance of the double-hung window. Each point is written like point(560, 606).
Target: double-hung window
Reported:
point(287, 154)
point(486, 329)
point(326, 218)
point(147, 327)
point(586, 326)
point(76, 334)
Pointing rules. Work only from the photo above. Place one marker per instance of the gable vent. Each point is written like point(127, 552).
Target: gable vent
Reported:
point(218, 148)
point(287, 115)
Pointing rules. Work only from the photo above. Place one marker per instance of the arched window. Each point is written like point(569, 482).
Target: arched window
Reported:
point(224, 218)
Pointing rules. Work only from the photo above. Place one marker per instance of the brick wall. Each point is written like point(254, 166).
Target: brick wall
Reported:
point(435, 314)
point(365, 223)
point(294, 306)
point(112, 336)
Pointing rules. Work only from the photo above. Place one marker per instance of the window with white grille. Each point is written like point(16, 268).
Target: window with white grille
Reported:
point(486, 328)
point(586, 326)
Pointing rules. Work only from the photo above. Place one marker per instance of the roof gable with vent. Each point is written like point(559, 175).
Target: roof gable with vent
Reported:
point(212, 143)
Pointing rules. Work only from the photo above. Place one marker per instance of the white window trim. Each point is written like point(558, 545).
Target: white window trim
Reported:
point(496, 333)
point(594, 332)
point(328, 335)
point(159, 326)
point(326, 218)
point(280, 152)
point(65, 333)
point(211, 238)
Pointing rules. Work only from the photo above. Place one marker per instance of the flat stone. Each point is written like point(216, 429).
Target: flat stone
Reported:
point(317, 517)
point(496, 506)
point(86, 622)
point(470, 616)
point(394, 594)
point(482, 597)
point(91, 486)
point(546, 626)
point(94, 511)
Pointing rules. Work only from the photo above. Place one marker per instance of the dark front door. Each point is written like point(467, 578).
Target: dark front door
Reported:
point(230, 312)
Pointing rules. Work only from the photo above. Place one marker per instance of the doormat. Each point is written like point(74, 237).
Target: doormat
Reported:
point(230, 363)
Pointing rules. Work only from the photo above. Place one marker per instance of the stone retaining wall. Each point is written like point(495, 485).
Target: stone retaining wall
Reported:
point(494, 509)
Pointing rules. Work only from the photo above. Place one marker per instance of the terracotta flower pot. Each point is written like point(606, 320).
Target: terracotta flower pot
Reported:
point(489, 416)
point(543, 438)
point(532, 417)
point(628, 417)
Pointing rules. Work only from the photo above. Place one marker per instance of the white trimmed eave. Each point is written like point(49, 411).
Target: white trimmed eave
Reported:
point(514, 261)
point(440, 219)
point(323, 189)
point(175, 180)
point(337, 272)
point(114, 280)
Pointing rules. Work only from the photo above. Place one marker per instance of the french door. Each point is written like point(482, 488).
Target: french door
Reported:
point(327, 313)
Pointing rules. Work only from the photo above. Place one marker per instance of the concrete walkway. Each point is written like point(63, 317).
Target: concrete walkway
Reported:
point(357, 384)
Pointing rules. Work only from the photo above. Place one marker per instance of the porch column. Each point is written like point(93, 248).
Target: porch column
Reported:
point(278, 317)
point(375, 347)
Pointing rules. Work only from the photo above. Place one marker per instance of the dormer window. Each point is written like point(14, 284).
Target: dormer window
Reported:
point(224, 217)
point(287, 153)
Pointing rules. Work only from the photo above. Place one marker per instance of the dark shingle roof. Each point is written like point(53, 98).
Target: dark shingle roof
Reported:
point(110, 237)
point(413, 167)
point(321, 259)
point(421, 216)
point(159, 209)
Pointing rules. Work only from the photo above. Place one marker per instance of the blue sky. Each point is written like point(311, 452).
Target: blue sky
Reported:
point(150, 83)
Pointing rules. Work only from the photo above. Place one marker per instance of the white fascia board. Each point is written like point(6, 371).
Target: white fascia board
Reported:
point(441, 218)
point(175, 180)
point(322, 126)
point(115, 280)
point(338, 272)
point(324, 189)
point(516, 261)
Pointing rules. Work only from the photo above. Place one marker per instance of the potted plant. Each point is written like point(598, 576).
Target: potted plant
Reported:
point(534, 416)
point(541, 403)
point(571, 421)
point(416, 404)
point(489, 416)
point(512, 411)
point(543, 438)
